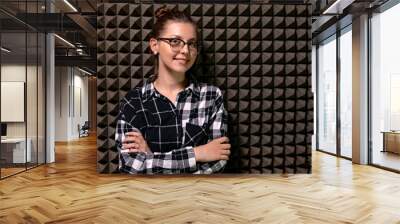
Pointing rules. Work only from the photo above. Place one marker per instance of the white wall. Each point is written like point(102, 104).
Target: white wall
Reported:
point(70, 84)
point(16, 73)
point(80, 84)
point(61, 103)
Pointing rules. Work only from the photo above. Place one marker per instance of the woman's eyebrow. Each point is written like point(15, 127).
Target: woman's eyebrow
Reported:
point(177, 36)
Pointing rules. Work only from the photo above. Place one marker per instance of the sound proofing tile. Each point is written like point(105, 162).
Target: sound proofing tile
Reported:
point(220, 70)
point(290, 22)
point(244, 34)
point(258, 54)
point(301, 22)
point(232, 10)
point(110, 9)
point(195, 9)
point(255, 81)
point(111, 22)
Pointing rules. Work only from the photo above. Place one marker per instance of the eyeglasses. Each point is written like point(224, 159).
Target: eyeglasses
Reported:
point(177, 44)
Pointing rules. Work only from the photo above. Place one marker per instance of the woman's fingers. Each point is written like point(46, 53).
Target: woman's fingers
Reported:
point(223, 157)
point(223, 139)
point(137, 139)
point(131, 136)
point(226, 146)
point(226, 152)
point(130, 150)
point(130, 145)
point(133, 133)
point(131, 139)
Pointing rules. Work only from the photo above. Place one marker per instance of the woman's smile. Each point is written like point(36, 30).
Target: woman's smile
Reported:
point(182, 60)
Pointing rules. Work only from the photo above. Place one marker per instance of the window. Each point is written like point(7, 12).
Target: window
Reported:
point(385, 88)
point(346, 92)
point(330, 80)
point(326, 95)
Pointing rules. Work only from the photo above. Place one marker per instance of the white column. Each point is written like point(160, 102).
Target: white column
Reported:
point(50, 93)
point(360, 90)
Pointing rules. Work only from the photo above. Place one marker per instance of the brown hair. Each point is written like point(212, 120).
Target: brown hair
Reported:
point(163, 15)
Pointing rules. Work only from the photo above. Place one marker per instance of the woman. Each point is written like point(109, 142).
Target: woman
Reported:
point(173, 124)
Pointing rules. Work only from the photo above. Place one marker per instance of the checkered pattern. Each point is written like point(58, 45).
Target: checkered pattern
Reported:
point(171, 129)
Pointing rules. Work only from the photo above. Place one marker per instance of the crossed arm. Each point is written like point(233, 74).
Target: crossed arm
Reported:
point(181, 160)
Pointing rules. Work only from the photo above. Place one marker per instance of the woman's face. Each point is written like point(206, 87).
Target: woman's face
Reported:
point(174, 54)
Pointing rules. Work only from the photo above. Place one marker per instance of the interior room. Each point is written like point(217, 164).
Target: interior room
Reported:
point(308, 87)
point(22, 99)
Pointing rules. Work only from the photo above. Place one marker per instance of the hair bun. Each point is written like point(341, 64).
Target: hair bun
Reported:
point(162, 11)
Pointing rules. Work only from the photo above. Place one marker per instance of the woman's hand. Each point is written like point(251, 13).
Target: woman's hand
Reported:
point(134, 142)
point(217, 149)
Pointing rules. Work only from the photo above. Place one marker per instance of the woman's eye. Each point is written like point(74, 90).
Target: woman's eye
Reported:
point(175, 41)
point(193, 44)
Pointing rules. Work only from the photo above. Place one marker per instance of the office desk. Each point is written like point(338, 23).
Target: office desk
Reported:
point(13, 150)
point(391, 141)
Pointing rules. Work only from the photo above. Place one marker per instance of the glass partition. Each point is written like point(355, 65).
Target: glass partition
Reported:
point(31, 99)
point(385, 89)
point(22, 67)
point(14, 70)
point(346, 93)
point(326, 100)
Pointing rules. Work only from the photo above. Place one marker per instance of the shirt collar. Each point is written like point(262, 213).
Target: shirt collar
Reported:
point(149, 91)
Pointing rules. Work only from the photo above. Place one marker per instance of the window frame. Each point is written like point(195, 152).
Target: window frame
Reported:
point(339, 32)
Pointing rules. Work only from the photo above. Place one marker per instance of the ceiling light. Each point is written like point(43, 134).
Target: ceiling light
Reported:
point(337, 7)
point(5, 50)
point(79, 51)
point(70, 5)
point(64, 40)
point(84, 71)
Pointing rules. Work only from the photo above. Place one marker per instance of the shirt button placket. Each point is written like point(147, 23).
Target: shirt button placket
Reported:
point(179, 115)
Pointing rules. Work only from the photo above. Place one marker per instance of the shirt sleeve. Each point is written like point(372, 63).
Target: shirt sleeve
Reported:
point(176, 161)
point(218, 128)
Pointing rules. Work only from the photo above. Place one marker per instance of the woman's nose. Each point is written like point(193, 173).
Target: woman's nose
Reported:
point(185, 49)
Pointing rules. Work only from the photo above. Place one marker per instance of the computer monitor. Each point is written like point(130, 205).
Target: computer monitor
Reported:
point(3, 129)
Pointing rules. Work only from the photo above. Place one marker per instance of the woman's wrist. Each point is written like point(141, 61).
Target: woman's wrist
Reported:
point(198, 153)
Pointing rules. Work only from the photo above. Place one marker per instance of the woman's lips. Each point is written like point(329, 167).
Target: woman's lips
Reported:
point(184, 61)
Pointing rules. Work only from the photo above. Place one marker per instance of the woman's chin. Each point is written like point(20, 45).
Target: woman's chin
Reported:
point(179, 69)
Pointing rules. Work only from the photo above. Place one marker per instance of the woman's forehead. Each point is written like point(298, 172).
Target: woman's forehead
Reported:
point(183, 30)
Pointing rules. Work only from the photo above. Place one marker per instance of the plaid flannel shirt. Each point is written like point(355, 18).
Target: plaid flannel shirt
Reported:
point(171, 130)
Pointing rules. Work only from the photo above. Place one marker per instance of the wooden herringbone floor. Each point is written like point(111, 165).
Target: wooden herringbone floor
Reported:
point(70, 191)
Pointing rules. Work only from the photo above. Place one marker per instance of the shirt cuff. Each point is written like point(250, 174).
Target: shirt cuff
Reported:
point(191, 157)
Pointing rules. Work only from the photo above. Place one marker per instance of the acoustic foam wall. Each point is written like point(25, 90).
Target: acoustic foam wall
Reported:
point(259, 54)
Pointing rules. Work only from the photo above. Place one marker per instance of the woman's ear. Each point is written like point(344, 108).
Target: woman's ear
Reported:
point(154, 46)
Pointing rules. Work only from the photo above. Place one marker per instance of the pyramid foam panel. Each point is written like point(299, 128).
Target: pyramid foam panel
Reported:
point(258, 54)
